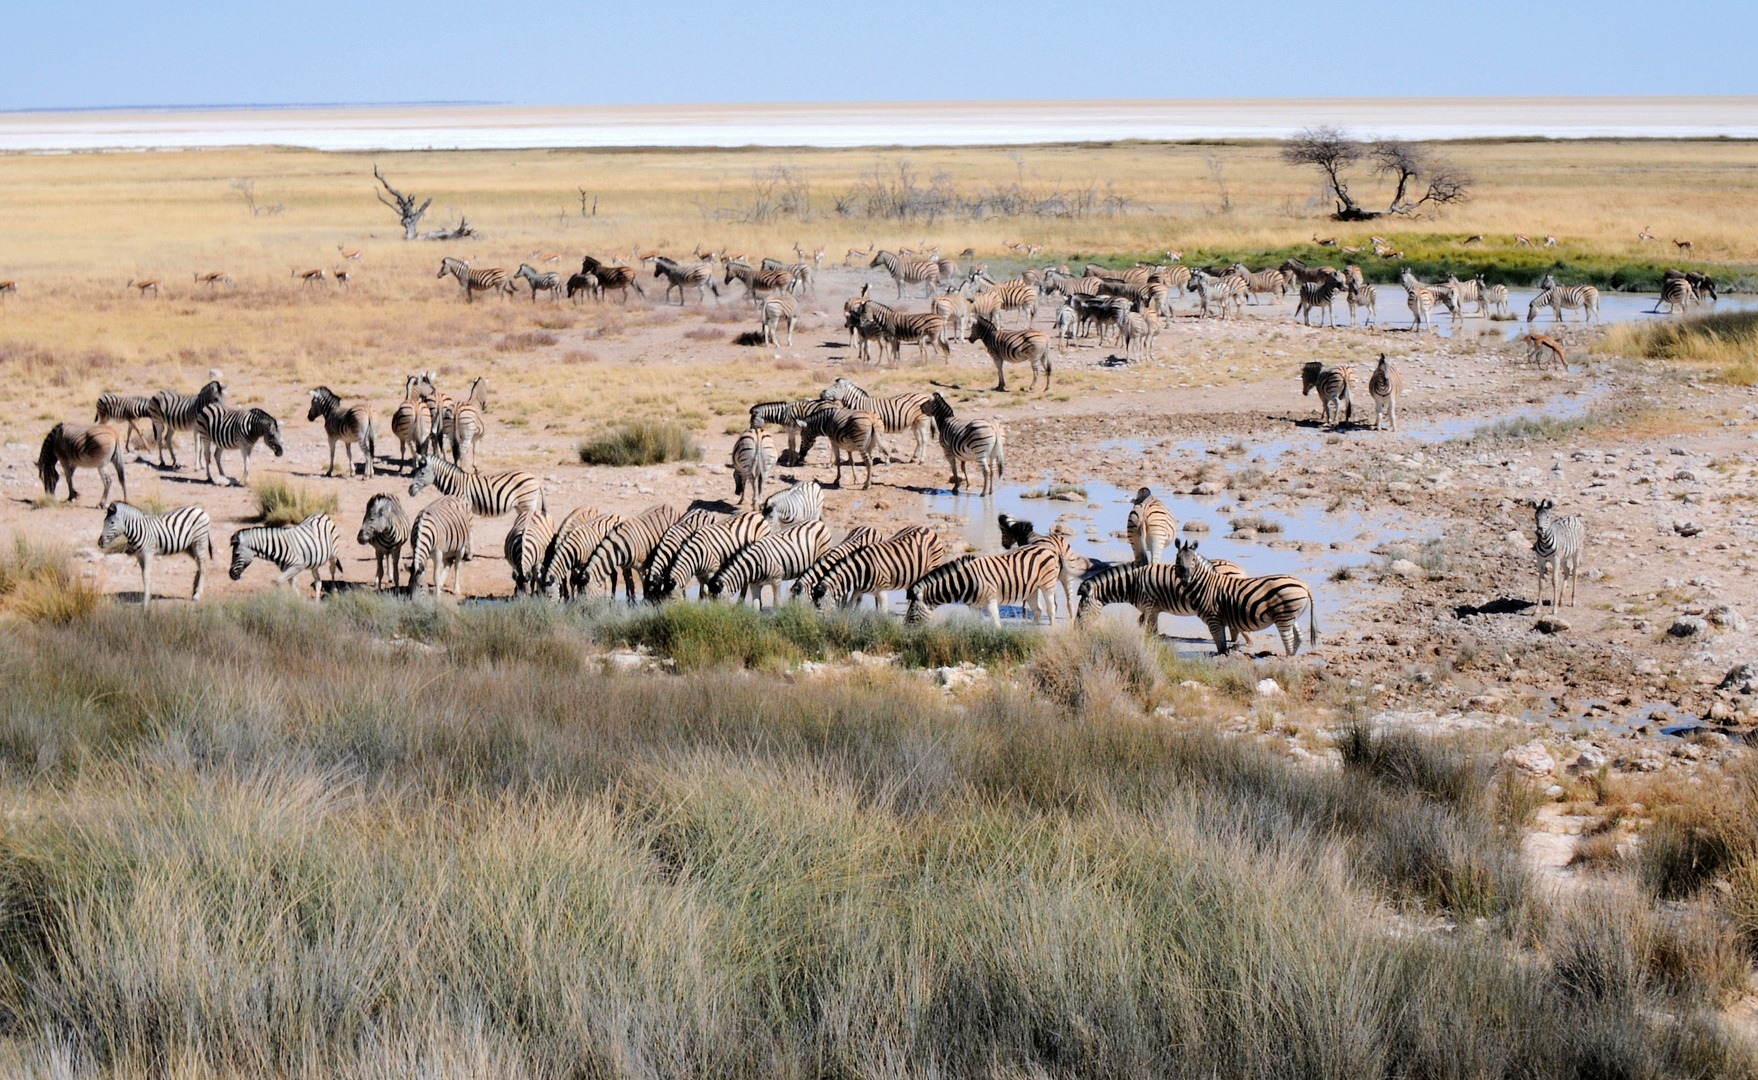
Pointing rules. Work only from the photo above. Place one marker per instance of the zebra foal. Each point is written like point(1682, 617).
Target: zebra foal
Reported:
point(1556, 545)
point(132, 531)
point(73, 446)
point(385, 529)
point(310, 545)
point(131, 408)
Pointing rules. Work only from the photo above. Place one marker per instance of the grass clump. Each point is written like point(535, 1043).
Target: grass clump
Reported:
point(1256, 522)
point(642, 442)
point(39, 583)
point(279, 502)
point(1726, 340)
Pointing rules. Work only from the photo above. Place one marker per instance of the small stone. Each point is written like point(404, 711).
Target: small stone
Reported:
point(1687, 626)
point(1719, 711)
point(1589, 761)
point(1269, 688)
point(1207, 487)
point(1550, 624)
point(1405, 568)
point(1724, 617)
point(1515, 536)
point(1555, 791)
point(1533, 759)
point(1739, 677)
point(1196, 525)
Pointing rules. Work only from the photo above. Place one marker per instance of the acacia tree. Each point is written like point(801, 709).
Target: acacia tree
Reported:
point(1413, 167)
point(410, 214)
point(1332, 151)
point(1442, 181)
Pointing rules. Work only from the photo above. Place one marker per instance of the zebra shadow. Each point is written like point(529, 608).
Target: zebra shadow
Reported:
point(1314, 424)
point(1505, 605)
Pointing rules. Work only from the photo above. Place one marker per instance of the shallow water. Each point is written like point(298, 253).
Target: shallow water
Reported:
point(1393, 313)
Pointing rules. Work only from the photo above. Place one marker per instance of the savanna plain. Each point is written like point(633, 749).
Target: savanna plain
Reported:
point(380, 835)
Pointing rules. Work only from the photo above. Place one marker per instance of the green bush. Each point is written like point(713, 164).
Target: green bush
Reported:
point(279, 502)
point(642, 442)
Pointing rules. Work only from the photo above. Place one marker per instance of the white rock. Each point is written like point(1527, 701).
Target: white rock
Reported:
point(1270, 688)
point(1405, 568)
point(1533, 759)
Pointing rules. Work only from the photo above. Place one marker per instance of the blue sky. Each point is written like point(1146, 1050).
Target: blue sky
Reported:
point(86, 55)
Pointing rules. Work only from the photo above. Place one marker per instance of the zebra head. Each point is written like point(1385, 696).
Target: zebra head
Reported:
point(937, 407)
point(1188, 561)
point(264, 426)
point(1142, 495)
point(114, 519)
point(1014, 532)
point(323, 402)
point(215, 390)
point(449, 265)
point(1310, 373)
point(422, 476)
point(380, 520)
point(1541, 512)
point(242, 554)
point(836, 391)
point(1548, 282)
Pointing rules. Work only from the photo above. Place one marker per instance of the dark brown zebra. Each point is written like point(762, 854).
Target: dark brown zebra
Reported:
point(72, 446)
point(348, 425)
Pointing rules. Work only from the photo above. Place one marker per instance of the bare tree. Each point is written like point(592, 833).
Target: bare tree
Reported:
point(1443, 182)
point(407, 211)
point(1332, 151)
point(246, 188)
point(1447, 183)
point(1217, 173)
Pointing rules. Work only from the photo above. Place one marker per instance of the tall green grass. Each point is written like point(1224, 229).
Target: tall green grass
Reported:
point(280, 502)
point(1726, 340)
point(642, 442)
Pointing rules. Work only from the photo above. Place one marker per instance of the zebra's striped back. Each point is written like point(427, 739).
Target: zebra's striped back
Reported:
point(708, 549)
point(848, 431)
point(187, 529)
point(1010, 295)
point(577, 541)
point(1151, 527)
point(488, 494)
point(1150, 589)
point(626, 549)
point(903, 271)
point(857, 538)
point(440, 537)
point(657, 568)
point(113, 406)
point(1332, 384)
point(527, 543)
point(309, 545)
point(1385, 385)
point(472, 281)
point(802, 502)
point(172, 412)
point(1245, 604)
point(227, 428)
point(752, 454)
point(1025, 575)
point(1321, 295)
point(880, 568)
point(770, 560)
point(1676, 293)
point(1560, 298)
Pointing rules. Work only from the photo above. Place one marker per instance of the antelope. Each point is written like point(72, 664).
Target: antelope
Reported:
point(1537, 344)
point(1682, 245)
point(1478, 239)
point(1329, 241)
point(1379, 240)
point(547, 256)
point(151, 285)
point(1520, 239)
point(214, 277)
point(1549, 240)
point(350, 254)
point(310, 277)
point(8, 287)
point(858, 253)
point(343, 277)
point(1645, 235)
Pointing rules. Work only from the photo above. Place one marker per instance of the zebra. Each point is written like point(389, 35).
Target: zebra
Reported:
point(1222, 291)
point(799, 274)
point(628, 548)
point(1301, 272)
point(1676, 294)
point(880, 568)
point(846, 430)
point(1139, 327)
point(1466, 292)
point(472, 281)
point(1245, 604)
point(776, 310)
point(1385, 385)
point(1097, 312)
point(802, 502)
point(1332, 384)
point(778, 557)
point(1494, 297)
point(896, 327)
point(752, 455)
point(1420, 299)
point(1152, 590)
point(955, 309)
point(622, 278)
point(172, 412)
point(413, 423)
point(1449, 299)
point(665, 550)
point(1014, 347)
point(681, 276)
point(924, 272)
point(525, 546)
point(347, 426)
point(1066, 324)
point(859, 537)
point(129, 407)
point(1364, 296)
point(1151, 527)
point(1566, 297)
point(899, 412)
point(1026, 574)
point(1320, 295)
point(1272, 282)
point(1011, 295)
point(586, 283)
point(463, 425)
point(186, 530)
point(707, 550)
point(1018, 533)
point(439, 537)
point(74, 446)
point(385, 528)
point(550, 283)
point(310, 545)
point(758, 283)
point(860, 317)
point(965, 441)
point(1055, 282)
point(789, 416)
point(1557, 544)
point(487, 494)
point(577, 539)
point(221, 427)
point(1702, 284)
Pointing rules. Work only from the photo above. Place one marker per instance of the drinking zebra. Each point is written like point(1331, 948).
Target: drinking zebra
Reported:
point(577, 539)
point(1270, 282)
point(487, 494)
point(221, 427)
point(847, 431)
point(707, 550)
point(752, 455)
point(1560, 298)
point(1465, 292)
point(881, 568)
point(472, 281)
point(776, 310)
point(385, 529)
point(924, 272)
point(1151, 527)
point(681, 276)
point(1018, 533)
point(185, 530)
point(1245, 604)
point(899, 413)
point(1005, 347)
point(131, 408)
point(1385, 385)
point(525, 546)
point(439, 537)
point(1557, 544)
point(348, 426)
point(802, 502)
point(310, 545)
point(550, 283)
point(857, 538)
point(656, 568)
point(628, 548)
point(965, 441)
point(1677, 294)
point(1026, 575)
point(172, 412)
point(1332, 384)
point(1153, 590)
point(74, 446)
point(766, 563)
point(1419, 298)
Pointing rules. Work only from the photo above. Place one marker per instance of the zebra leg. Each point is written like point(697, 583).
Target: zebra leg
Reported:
point(994, 609)
point(200, 572)
point(146, 578)
point(67, 469)
point(331, 471)
point(1218, 631)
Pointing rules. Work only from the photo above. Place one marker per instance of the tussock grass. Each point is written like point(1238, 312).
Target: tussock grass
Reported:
point(1724, 340)
point(283, 835)
point(40, 584)
point(642, 442)
point(280, 502)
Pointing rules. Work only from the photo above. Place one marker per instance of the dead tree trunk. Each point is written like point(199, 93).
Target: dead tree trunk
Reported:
point(407, 211)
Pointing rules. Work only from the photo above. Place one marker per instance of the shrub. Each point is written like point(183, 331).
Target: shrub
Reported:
point(279, 502)
point(40, 584)
point(642, 442)
point(1102, 665)
point(1724, 339)
point(525, 341)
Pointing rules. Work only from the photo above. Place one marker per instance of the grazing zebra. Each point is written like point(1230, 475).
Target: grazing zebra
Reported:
point(129, 407)
point(707, 550)
point(1271, 282)
point(628, 548)
point(1676, 294)
point(1493, 298)
point(487, 494)
point(1332, 384)
point(1152, 590)
point(385, 529)
point(586, 283)
point(802, 502)
point(896, 327)
point(1245, 604)
point(472, 281)
point(758, 283)
point(778, 557)
point(1557, 544)
point(1026, 575)
point(1220, 291)
point(681, 276)
point(924, 272)
point(1139, 328)
point(310, 545)
point(857, 538)
point(1385, 385)
point(1018, 533)
point(1420, 299)
point(665, 550)
point(185, 530)
point(577, 539)
point(965, 441)
point(752, 455)
point(439, 537)
point(1010, 295)
point(550, 283)
point(899, 413)
point(1320, 295)
point(1151, 527)
point(1566, 297)
point(527, 543)
point(789, 416)
point(221, 427)
point(75, 446)
point(846, 430)
point(776, 310)
point(1014, 347)
point(955, 309)
point(172, 412)
point(413, 423)
point(347, 426)
point(881, 568)
point(1449, 300)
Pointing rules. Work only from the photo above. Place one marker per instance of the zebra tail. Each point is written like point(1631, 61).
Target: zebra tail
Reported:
point(1312, 619)
point(1348, 406)
point(371, 446)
